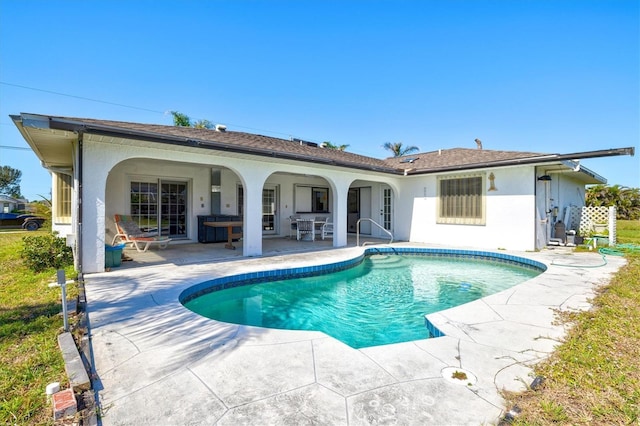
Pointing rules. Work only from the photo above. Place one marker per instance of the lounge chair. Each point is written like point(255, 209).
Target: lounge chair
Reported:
point(130, 233)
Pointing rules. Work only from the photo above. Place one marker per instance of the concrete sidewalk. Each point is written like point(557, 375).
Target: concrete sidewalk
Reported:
point(158, 363)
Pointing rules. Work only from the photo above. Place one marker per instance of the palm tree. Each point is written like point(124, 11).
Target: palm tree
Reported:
point(398, 150)
point(203, 124)
point(183, 120)
point(626, 200)
point(180, 119)
point(329, 145)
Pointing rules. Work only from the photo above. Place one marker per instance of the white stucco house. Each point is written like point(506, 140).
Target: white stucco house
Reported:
point(174, 175)
point(9, 204)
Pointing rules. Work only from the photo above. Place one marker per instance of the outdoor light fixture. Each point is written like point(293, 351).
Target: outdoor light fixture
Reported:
point(544, 178)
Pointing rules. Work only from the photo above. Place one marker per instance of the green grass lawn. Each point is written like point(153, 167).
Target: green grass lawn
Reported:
point(628, 231)
point(594, 376)
point(29, 325)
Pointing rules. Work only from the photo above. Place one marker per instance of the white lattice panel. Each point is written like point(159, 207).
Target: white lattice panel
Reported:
point(585, 219)
point(575, 216)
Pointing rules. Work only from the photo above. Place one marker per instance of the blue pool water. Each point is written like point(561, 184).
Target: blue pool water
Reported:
point(382, 300)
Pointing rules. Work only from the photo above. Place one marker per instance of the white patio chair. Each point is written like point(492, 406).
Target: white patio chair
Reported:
point(305, 227)
point(293, 224)
point(327, 228)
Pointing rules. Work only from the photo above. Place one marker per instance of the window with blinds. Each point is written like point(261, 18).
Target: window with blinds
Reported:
point(64, 198)
point(461, 200)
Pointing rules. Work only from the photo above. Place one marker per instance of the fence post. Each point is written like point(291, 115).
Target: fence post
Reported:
point(62, 282)
point(613, 228)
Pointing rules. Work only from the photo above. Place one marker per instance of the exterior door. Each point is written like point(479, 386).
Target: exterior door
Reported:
point(353, 208)
point(366, 210)
point(269, 210)
point(386, 211)
point(359, 206)
point(173, 209)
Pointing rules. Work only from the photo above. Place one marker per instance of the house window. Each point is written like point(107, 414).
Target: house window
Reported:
point(320, 200)
point(461, 200)
point(310, 199)
point(64, 192)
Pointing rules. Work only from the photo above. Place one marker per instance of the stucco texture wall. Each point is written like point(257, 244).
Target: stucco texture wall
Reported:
point(510, 212)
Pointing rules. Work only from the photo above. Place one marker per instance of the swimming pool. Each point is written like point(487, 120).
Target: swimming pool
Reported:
point(378, 298)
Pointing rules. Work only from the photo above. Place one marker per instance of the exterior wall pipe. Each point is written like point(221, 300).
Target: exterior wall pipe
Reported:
point(79, 208)
point(535, 211)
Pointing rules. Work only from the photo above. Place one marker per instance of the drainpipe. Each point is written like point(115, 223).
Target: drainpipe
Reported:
point(535, 206)
point(79, 208)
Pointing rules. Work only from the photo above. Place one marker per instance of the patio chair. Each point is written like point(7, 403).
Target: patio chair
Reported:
point(318, 222)
point(293, 225)
point(130, 233)
point(327, 228)
point(305, 227)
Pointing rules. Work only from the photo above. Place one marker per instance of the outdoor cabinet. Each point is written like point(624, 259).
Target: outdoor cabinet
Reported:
point(209, 234)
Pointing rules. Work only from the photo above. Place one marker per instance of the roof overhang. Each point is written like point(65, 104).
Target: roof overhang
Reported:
point(53, 138)
point(53, 147)
point(570, 161)
point(578, 172)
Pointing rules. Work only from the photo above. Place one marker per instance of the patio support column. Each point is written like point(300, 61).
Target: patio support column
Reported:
point(253, 182)
point(339, 209)
point(93, 208)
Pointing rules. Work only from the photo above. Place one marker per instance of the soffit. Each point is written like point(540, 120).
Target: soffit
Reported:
point(54, 148)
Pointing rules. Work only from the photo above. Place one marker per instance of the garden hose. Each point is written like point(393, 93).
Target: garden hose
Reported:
point(618, 250)
point(610, 251)
point(604, 262)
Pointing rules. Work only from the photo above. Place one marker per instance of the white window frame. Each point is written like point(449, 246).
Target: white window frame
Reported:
point(308, 198)
point(64, 198)
point(463, 207)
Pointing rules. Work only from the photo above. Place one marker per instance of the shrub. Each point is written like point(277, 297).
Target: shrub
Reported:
point(41, 252)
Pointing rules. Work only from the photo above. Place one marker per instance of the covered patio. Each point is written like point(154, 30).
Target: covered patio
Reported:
point(186, 253)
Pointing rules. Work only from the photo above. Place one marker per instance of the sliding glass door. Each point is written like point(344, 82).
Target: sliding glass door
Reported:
point(160, 207)
point(173, 209)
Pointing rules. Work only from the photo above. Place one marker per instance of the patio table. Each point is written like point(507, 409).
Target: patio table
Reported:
point(230, 235)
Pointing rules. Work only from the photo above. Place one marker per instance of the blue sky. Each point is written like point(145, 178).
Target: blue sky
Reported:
point(543, 76)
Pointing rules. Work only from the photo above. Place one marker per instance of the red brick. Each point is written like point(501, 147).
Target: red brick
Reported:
point(64, 404)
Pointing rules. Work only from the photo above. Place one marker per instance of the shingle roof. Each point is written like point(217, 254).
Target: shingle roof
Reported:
point(456, 157)
point(277, 148)
point(257, 144)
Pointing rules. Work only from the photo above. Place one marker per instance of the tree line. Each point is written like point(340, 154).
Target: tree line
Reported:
point(396, 148)
point(626, 200)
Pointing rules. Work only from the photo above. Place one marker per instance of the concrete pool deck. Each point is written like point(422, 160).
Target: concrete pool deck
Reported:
point(159, 363)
